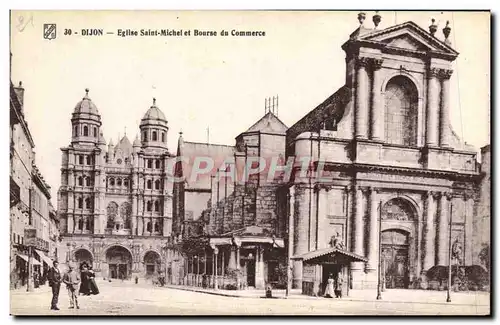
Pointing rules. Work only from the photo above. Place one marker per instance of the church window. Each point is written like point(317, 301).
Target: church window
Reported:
point(85, 131)
point(80, 224)
point(148, 228)
point(119, 182)
point(149, 184)
point(163, 137)
point(157, 206)
point(157, 164)
point(157, 228)
point(119, 161)
point(144, 136)
point(149, 206)
point(80, 159)
point(87, 224)
point(95, 132)
point(89, 160)
point(75, 131)
point(80, 181)
point(87, 181)
point(157, 184)
point(154, 136)
point(150, 163)
point(112, 181)
point(88, 203)
point(125, 183)
point(80, 203)
point(401, 108)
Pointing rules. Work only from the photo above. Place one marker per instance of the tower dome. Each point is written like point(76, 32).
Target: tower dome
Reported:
point(86, 105)
point(154, 128)
point(86, 122)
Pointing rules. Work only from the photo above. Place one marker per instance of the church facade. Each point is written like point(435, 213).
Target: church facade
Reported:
point(115, 202)
point(385, 149)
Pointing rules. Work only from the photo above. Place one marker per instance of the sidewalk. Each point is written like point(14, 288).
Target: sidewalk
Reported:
point(471, 298)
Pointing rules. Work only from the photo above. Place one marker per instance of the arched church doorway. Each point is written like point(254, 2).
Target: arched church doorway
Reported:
point(119, 262)
point(82, 255)
point(396, 243)
point(395, 258)
point(152, 262)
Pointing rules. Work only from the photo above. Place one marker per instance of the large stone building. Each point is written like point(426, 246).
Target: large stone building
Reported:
point(29, 201)
point(386, 147)
point(242, 216)
point(115, 202)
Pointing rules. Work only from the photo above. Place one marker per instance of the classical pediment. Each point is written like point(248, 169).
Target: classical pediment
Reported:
point(408, 36)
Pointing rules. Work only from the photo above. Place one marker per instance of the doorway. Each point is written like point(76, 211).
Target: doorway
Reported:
point(251, 273)
point(328, 269)
point(395, 264)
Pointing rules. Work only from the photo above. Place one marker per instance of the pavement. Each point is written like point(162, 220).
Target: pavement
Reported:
point(126, 298)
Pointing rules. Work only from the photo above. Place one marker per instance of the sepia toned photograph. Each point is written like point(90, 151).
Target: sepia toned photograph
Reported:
point(250, 163)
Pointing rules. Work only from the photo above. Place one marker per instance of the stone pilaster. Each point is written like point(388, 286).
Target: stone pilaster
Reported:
point(444, 129)
point(232, 258)
point(469, 228)
point(361, 98)
point(429, 232)
point(358, 231)
point(443, 230)
point(301, 231)
point(432, 107)
point(322, 218)
point(377, 111)
point(133, 226)
point(373, 245)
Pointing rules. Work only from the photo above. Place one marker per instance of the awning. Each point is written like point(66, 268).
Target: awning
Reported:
point(44, 257)
point(24, 257)
point(331, 252)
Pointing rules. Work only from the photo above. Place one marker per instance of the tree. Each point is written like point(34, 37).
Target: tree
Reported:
point(484, 256)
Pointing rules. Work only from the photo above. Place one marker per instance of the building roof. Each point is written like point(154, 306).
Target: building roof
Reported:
point(125, 146)
point(268, 123)
point(195, 151)
point(86, 105)
point(319, 253)
point(154, 113)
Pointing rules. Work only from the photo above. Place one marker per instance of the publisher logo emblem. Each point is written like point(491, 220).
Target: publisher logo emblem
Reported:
point(49, 31)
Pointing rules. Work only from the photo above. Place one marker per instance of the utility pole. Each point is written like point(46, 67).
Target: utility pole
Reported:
point(379, 282)
point(448, 297)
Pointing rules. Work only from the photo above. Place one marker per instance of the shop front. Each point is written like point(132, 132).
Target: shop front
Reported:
point(320, 265)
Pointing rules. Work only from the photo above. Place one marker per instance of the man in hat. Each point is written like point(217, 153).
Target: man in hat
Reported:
point(54, 276)
point(72, 280)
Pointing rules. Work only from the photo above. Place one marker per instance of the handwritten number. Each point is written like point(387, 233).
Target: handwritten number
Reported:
point(22, 24)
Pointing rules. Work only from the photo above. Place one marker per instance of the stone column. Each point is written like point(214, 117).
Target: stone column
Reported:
point(238, 261)
point(358, 229)
point(442, 249)
point(444, 130)
point(216, 257)
point(377, 111)
point(322, 222)
point(259, 269)
point(301, 231)
point(429, 233)
point(232, 258)
point(361, 98)
point(469, 228)
point(71, 223)
point(373, 245)
point(133, 226)
point(432, 107)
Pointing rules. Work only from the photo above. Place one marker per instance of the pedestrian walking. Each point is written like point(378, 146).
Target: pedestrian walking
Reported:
point(329, 287)
point(72, 279)
point(92, 285)
point(84, 286)
point(54, 276)
point(338, 286)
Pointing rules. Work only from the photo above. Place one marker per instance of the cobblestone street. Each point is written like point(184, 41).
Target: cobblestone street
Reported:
point(126, 298)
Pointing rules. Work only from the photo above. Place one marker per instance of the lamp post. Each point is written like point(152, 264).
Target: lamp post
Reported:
point(379, 284)
point(448, 292)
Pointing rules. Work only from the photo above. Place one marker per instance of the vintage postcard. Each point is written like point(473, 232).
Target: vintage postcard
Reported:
point(250, 163)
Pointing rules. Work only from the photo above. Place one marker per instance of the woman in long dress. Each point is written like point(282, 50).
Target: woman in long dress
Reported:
point(329, 287)
point(92, 285)
point(84, 285)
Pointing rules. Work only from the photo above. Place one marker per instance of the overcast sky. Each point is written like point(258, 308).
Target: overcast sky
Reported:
point(214, 82)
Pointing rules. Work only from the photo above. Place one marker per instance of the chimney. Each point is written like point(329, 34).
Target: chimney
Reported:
point(20, 94)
